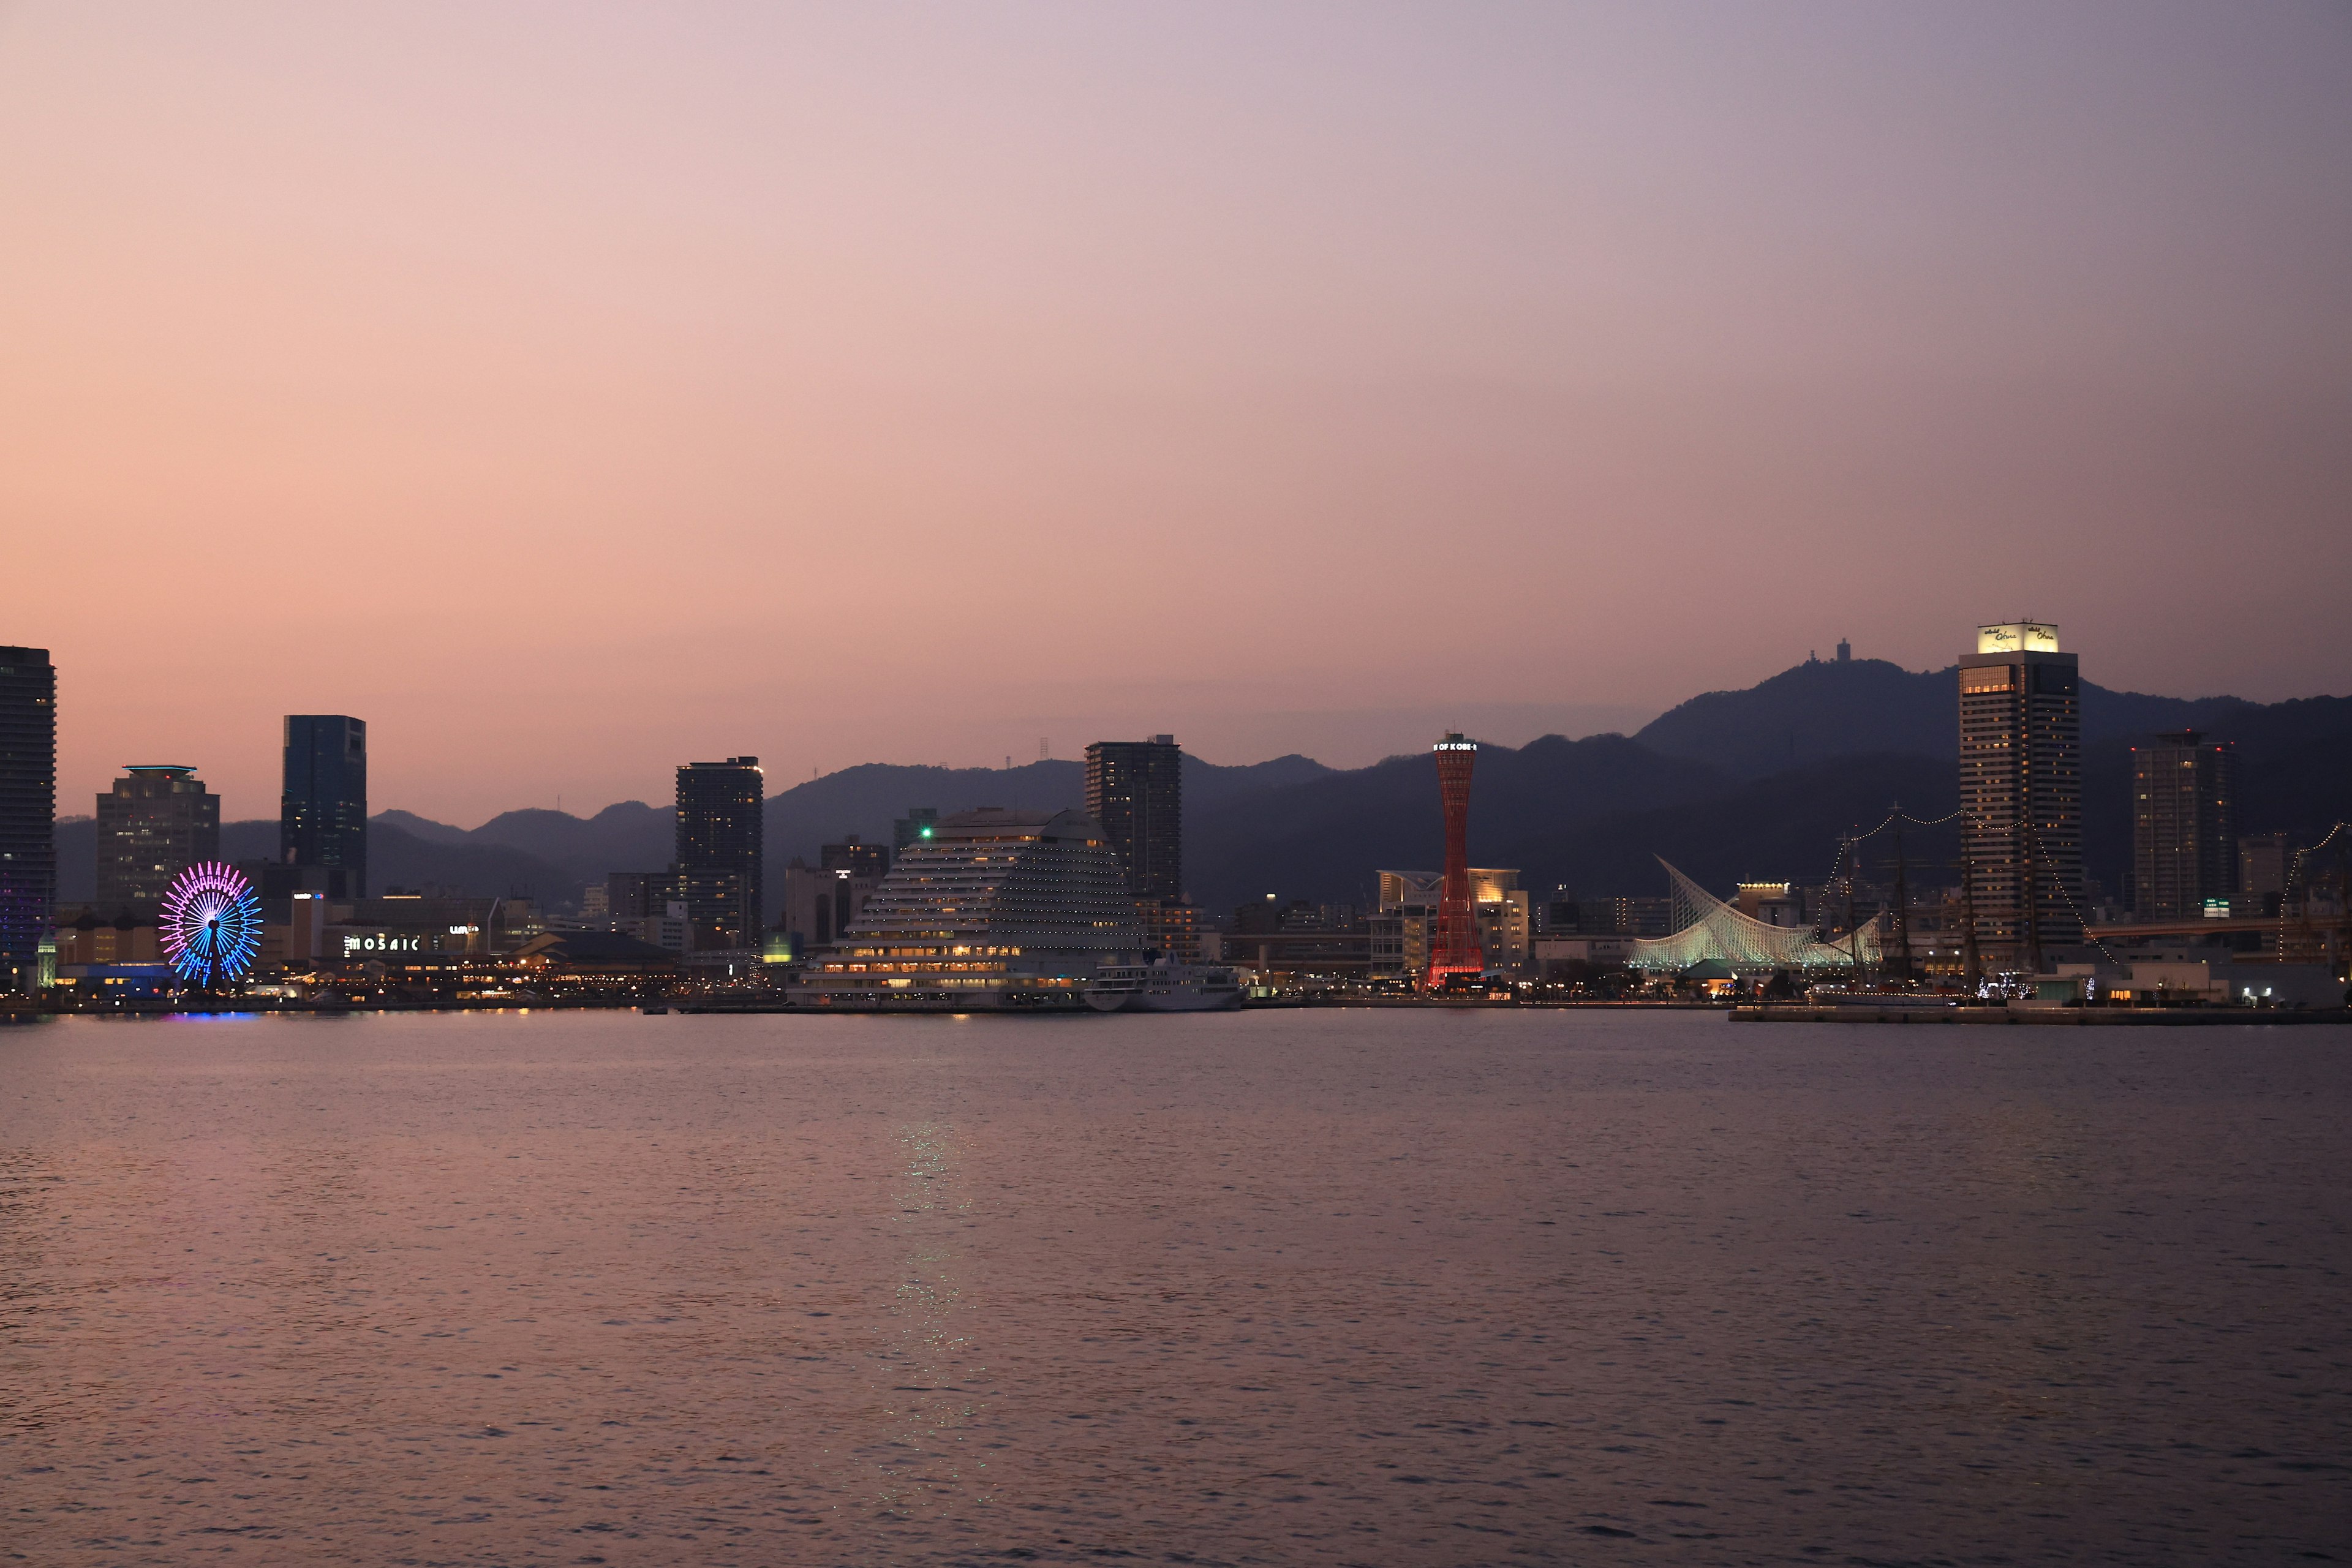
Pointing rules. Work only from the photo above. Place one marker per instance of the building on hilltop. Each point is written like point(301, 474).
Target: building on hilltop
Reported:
point(2184, 826)
point(28, 806)
point(154, 824)
point(323, 805)
point(720, 807)
point(2021, 789)
point(997, 909)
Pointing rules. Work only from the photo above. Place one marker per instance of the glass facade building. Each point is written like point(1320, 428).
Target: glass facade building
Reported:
point(720, 844)
point(322, 807)
point(28, 804)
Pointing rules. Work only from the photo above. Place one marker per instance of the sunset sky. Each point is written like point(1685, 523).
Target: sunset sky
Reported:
point(573, 391)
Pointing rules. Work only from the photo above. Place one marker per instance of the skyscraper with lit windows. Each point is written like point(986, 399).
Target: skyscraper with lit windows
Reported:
point(1135, 789)
point(322, 806)
point(28, 803)
point(720, 842)
point(2022, 792)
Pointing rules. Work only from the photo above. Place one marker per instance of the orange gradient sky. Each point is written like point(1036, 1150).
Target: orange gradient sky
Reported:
point(571, 391)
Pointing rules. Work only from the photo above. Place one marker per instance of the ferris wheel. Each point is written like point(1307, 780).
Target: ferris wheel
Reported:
point(211, 924)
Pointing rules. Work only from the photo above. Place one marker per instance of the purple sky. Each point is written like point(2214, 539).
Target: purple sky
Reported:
point(573, 391)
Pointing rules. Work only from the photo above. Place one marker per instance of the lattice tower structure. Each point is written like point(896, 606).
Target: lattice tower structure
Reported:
point(1455, 951)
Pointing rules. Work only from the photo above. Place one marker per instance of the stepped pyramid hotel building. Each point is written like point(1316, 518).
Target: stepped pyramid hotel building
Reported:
point(997, 909)
point(2021, 785)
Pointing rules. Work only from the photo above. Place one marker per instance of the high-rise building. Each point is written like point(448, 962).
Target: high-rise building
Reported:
point(322, 807)
point(719, 844)
point(1455, 950)
point(156, 823)
point(1136, 790)
point(2021, 789)
point(28, 805)
point(2184, 826)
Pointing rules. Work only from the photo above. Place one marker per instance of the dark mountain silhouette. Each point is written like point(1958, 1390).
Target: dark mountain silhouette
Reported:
point(417, 826)
point(866, 799)
point(1823, 709)
point(1756, 784)
point(627, 836)
point(396, 858)
point(1786, 827)
point(1326, 838)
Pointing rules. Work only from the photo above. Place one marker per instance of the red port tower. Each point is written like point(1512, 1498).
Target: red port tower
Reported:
point(1455, 949)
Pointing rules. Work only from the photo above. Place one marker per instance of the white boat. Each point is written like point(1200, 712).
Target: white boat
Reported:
point(1165, 987)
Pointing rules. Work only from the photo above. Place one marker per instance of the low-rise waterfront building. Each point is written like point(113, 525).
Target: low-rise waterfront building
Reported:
point(1407, 919)
point(997, 909)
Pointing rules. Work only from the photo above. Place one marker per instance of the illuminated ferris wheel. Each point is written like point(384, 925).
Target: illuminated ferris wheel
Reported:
point(211, 925)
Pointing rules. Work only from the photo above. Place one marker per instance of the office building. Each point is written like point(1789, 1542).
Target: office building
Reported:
point(916, 824)
point(1136, 790)
point(634, 895)
point(720, 845)
point(854, 857)
point(820, 901)
point(1405, 928)
point(2021, 789)
point(1570, 914)
point(997, 909)
point(1172, 929)
point(156, 823)
point(28, 806)
point(1302, 942)
point(323, 805)
point(2184, 826)
point(2265, 860)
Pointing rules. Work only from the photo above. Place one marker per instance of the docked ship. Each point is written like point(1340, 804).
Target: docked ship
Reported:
point(996, 910)
point(1164, 987)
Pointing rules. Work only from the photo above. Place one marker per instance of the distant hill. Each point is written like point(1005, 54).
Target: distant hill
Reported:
point(1755, 785)
point(1324, 838)
point(628, 836)
point(1823, 709)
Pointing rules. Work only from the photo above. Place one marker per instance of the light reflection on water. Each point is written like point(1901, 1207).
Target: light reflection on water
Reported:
point(1300, 1286)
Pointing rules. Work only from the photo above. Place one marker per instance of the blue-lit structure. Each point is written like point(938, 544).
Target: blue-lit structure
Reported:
point(211, 925)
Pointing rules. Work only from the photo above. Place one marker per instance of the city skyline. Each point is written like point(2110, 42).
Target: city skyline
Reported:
point(479, 386)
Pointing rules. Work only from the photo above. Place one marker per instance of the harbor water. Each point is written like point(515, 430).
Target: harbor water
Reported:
point(1301, 1287)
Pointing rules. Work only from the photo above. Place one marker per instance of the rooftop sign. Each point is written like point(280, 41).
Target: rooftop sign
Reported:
point(2018, 637)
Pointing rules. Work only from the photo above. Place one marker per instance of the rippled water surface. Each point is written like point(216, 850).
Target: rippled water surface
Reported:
point(1319, 1288)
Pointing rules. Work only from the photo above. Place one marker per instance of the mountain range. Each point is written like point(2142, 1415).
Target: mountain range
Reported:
point(1756, 784)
